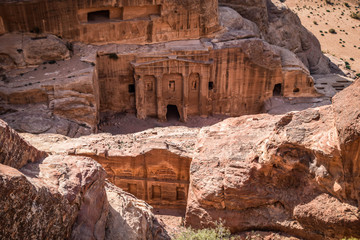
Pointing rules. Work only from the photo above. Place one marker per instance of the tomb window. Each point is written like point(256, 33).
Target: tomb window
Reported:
point(180, 193)
point(156, 192)
point(211, 85)
point(172, 86)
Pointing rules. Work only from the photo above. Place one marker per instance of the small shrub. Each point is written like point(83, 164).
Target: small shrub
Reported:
point(315, 22)
point(219, 232)
point(332, 31)
point(346, 5)
point(355, 15)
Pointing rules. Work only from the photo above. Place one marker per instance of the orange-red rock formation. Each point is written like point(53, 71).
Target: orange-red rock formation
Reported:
point(118, 21)
point(63, 197)
point(281, 27)
point(295, 173)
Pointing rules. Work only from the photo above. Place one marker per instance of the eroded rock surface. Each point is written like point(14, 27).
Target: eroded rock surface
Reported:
point(15, 151)
point(63, 197)
point(131, 218)
point(268, 172)
point(281, 27)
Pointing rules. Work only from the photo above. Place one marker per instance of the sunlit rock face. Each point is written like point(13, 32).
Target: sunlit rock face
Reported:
point(64, 197)
point(112, 21)
point(297, 173)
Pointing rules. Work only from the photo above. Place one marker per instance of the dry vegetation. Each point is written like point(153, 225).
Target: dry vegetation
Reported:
point(337, 26)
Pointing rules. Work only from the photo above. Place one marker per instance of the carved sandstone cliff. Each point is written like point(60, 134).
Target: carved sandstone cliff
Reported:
point(117, 21)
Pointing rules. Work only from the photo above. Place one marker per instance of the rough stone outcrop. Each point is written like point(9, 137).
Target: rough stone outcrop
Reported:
point(131, 218)
point(15, 151)
point(63, 197)
point(52, 97)
point(282, 173)
point(19, 50)
point(347, 122)
point(49, 199)
point(281, 27)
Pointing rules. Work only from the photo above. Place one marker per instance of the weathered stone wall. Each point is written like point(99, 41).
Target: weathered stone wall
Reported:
point(140, 21)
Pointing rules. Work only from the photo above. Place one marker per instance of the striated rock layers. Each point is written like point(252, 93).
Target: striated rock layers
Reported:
point(63, 197)
point(281, 27)
point(54, 96)
point(119, 21)
point(296, 173)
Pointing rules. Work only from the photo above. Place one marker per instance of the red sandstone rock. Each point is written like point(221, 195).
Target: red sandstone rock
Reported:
point(271, 172)
point(131, 218)
point(63, 197)
point(281, 27)
point(287, 173)
point(42, 200)
point(14, 150)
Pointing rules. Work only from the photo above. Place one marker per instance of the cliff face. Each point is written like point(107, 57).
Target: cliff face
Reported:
point(63, 197)
point(112, 21)
point(281, 27)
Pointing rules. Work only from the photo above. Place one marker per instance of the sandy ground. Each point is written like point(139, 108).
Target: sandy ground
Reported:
point(319, 17)
point(125, 123)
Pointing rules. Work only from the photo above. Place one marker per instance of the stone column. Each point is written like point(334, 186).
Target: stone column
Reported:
point(185, 103)
point(161, 113)
point(140, 97)
point(204, 88)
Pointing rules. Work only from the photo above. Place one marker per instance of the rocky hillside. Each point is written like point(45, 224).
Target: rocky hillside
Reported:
point(63, 197)
point(295, 173)
point(336, 25)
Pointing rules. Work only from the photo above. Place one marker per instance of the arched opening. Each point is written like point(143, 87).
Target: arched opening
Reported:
point(296, 90)
point(277, 89)
point(172, 113)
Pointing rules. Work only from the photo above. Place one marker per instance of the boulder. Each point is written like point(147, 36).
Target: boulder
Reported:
point(47, 48)
point(50, 198)
point(63, 197)
point(131, 218)
point(14, 150)
point(284, 173)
